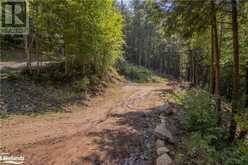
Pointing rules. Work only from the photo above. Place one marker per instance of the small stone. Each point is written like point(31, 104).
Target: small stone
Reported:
point(162, 118)
point(169, 112)
point(148, 145)
point(163, 133)
point(164, 160)
point(142, 157)
point(162, 150)
point(163, 108)
point(159, 143)
point(172, 153)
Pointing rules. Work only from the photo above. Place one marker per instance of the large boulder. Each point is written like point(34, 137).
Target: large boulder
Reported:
point(163, 133)
point(164, 160)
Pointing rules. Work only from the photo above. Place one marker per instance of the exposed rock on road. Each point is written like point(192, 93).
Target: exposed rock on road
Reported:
point(164, 160)
point(163, 133)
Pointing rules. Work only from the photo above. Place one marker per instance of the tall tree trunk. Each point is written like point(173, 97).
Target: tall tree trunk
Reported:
point(189, 67)
point(37, 54)
point(216, 61)
point(194, 69)
point(221, 31)
point(243, 133)
point(246, 93)
point(178, 69)
point(66, 67)
point(236, 78)
point(27, 52)
point(212, 74)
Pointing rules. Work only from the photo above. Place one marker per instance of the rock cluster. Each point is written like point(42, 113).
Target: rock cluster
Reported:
point(164, 160)
point(163, 133)
point(164, 136)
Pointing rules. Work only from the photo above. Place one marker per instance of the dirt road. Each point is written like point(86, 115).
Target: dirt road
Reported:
point(111, 129)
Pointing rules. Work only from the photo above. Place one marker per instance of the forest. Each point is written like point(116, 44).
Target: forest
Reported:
point(129, 82)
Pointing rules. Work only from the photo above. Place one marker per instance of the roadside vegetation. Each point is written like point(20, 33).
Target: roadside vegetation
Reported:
point(49, 91)
point(204, 140)
point(139, 74)
point(202, 42)
point(28, 93)
point(79, 40)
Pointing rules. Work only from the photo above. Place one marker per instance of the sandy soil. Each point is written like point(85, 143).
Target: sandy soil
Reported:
point(104, 132)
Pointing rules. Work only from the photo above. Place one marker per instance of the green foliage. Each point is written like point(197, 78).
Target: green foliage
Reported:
point(3, 115)
point(206, 143)
point(88, 32)
point(236, 154)
point(135, 73)
point(94, 79)
point(198, 151)
point(145, 45)
point(12, 75)
point(242, 120)
point(81, 85)
point(200, 114)
point(176, 96)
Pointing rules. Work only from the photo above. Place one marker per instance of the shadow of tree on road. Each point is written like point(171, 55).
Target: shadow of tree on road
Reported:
point(130, 142)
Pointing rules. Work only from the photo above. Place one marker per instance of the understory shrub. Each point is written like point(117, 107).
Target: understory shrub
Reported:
point(236, 154)
point(242, 120)
point(200, 114)
point(206, 142)
point(135, 73)
point(81, 85)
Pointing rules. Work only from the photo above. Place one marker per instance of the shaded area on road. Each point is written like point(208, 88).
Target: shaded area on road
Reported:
point(126, 146)
point(135, 145)
point(115, 128)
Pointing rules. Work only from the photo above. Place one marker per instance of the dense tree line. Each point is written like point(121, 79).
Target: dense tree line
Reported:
point(144, 44)
point(84, 35)
point(204, 42)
